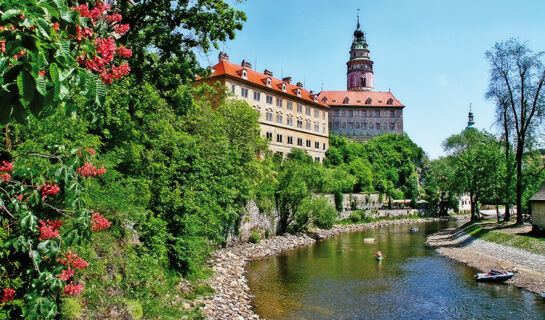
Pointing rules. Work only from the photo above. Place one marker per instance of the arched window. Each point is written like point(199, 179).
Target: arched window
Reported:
point(244, 74)
point(390, 101)
point(346, 100)
point(368, 101)
point(363, 82)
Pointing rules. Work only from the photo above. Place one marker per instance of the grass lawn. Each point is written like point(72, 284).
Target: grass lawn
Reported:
point(524, 242)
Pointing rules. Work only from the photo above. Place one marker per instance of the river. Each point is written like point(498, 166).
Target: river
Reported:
point(340, 279)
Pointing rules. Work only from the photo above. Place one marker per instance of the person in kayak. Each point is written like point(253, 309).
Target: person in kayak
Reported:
point(379, 255)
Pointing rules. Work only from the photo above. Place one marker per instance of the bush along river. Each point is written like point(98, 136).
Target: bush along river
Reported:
point(339, 278)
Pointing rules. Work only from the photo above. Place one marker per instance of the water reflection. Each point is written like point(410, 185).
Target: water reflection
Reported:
point(340, 279)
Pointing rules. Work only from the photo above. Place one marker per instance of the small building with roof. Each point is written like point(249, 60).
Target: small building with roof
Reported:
point(537, 203)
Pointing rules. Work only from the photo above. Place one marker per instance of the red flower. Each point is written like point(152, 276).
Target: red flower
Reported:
point(6, 166)
point(73, 289)
point(73, 260)
point(90, 151)
point(66, 274)
point(49, 229)
point(124, 52)
point(89, 170)
point(98, 222)
point(3, 46)
point(19, 197)
point(42, 73)
point(56, 26)
point(19, 55)
point(5, 177)
point(121, 29)
point(49, 189)
point(105, 48)
point(8, 295)
point(21, 16)
point(113, 18)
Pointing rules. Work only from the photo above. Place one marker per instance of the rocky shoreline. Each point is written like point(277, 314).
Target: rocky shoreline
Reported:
point(232, 299)
point(529, 268)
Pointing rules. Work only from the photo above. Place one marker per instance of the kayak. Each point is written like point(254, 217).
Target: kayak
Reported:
point(379, 258)
point(414, 229)
point(494, 275)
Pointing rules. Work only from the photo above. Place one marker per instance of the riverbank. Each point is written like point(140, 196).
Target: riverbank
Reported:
point(232, 299)
point(456, 244)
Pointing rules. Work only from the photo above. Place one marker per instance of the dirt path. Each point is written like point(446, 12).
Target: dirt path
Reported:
point(529, 267)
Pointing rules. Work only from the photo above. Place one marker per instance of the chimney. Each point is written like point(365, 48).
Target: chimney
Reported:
point(287, 80)
point(246, 64)
point(223, 56)
point(299, 84)
point(267, 72)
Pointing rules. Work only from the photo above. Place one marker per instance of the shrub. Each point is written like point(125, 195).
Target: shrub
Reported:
point(134, 308)
point(255, 237)
point(267, 233)
point(70, 309)
point(323, 213)
point(355, 217)
point(339, 201)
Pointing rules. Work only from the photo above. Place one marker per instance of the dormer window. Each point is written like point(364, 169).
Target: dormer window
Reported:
point(283, 87)
point(268, 82)
point(368, 101)
point(315, 98)
point(244, 74)
point(324, 99)
point(346, 100)
point(390, 101)
point(298, 92)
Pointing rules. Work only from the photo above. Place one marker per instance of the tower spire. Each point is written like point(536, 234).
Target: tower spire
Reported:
point(360, 66)
point(470, 121)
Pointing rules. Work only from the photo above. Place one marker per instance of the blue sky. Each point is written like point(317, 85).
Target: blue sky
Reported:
point(429, 53)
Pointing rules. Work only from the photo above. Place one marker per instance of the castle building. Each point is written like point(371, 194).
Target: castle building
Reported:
point(290, 116)
point(360, 113)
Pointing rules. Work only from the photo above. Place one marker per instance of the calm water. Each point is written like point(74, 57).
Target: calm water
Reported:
point(340, 279)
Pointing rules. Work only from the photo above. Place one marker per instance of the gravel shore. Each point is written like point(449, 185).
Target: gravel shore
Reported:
point(232, 299)
point(529, 267)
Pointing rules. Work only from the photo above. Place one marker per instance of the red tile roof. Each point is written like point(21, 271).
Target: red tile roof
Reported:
point(359, 98)
point(260, 79)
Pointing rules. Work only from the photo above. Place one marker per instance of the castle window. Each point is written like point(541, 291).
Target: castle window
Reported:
point(357, 124)
point(290, 105)
point(368, 101)
point(299, 141)
point(298, 92)
point(392, 114)
point(269, 99)
point(316, 113)
point(350, 113)
point(244, 74)
point(364, 113)
point(279, 102)
point(269, 116)
point(346, 100)
point(300, 124)
point(299, 108)
point(323, 145)
point(257, 96)
point(290, 122)
point(317, 127)
point(323, 115)
point(279, 119)
point(269, 135)
point(392, 126)
point(344, 125)
point(290, 140)
point(278, 138)
point(377, 125)
point(268, 82)
point(390, 101)
point(364, 125)
point(244, 92)
point(337, 113)
point(284, 87)
point(309, 143)
point(316, 144)
point(307, 111)
point(233, 88)
point(323, 129)
point(309, 125)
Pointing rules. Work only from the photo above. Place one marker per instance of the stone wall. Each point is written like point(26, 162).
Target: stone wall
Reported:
point(256, 220)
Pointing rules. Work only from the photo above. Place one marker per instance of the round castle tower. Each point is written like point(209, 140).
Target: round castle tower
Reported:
point(359, 75)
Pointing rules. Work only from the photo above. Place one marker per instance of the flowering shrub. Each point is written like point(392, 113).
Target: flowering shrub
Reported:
point(49, 52)
point(45, 217)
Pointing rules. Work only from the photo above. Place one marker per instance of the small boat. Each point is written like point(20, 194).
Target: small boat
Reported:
point(493, 275)
point(543, 295)
point(414, 229)
point(368, 240)
point(379, 258)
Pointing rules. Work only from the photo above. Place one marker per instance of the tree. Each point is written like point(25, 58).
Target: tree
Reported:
point(516, 84)
point(477, 160)
point(166, 35)
point(440, 185)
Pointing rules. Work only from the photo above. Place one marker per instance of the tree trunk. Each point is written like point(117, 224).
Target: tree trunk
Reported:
point(508, 175)
point(520, 149)
point(498, 212)
point(472, 202)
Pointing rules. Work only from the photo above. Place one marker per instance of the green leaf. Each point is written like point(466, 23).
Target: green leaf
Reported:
point(50, 10)
point(25, 83)
point(54, 72)
point(10, 13)
point(42, 26)
point(41, 86)
point(64, 47)
point(101, 91)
